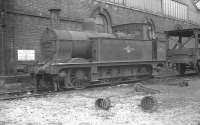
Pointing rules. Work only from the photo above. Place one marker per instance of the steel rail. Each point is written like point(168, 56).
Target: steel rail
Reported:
point(26, 94)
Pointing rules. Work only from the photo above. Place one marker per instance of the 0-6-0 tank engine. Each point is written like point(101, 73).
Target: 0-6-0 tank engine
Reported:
point(74, 59)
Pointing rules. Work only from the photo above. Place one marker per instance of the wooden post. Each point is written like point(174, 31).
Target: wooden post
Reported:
point(2, 36)
point(154, 48)
point(55, 15)
point(7, 46)
point(196, 46)
point(179, 41)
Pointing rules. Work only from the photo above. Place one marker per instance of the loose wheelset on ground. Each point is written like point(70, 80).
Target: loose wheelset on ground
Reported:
point(148, 104)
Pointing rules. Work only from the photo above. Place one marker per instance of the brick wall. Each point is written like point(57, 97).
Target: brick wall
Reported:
point(29, 18)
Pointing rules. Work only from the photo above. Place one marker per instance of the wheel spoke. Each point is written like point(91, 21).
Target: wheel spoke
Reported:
point(79, 79)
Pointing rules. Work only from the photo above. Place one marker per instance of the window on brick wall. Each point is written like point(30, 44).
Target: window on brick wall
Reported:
point(102, 19)
point(102, 25)
point(26, 55)
point(175, 9)
point(178, 27)
point(151, 29)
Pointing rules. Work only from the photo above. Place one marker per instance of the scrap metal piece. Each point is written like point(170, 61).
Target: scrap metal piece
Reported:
point(139, 87)
point(184, 83)
point(149, 104)
point(103, 103)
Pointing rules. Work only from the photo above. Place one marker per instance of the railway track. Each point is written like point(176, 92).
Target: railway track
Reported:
point(22, 94)
point(41, 93)
point(174, 77)
point(31, 93)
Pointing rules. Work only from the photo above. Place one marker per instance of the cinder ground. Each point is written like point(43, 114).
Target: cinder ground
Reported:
point(177, 106)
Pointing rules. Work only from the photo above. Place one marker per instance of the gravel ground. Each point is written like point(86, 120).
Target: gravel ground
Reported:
point(177, 106)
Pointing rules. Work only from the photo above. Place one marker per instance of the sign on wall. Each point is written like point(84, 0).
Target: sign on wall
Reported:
point(26, 55)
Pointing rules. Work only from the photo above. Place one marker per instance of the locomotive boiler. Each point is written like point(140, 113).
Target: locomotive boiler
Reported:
point(74, 59)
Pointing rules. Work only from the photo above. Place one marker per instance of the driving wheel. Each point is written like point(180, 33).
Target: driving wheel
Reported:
point(79, 79)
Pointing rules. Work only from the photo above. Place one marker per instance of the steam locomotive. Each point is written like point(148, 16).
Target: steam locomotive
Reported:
point(74, 59)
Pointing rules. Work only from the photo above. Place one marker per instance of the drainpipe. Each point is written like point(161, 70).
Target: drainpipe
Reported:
point(55, 15)
point(2, 40)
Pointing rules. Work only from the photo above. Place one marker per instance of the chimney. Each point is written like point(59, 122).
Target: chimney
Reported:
point(55, 15)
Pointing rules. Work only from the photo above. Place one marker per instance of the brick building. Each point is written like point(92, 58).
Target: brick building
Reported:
point(23, 21)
